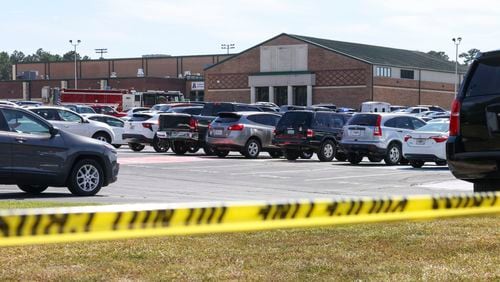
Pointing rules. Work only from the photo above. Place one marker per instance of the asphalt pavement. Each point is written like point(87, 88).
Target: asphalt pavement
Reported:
point(150, 177)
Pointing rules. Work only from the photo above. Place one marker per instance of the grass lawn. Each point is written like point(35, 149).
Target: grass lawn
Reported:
point(452, 249)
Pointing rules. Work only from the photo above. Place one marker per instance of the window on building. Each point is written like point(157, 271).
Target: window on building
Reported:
point(407, 74)
point(383, 71)
point(262, 94)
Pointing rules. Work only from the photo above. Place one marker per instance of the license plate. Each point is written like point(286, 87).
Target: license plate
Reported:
point(420, 141)
point(218, 132)
point(355, 132)
point(290, 131)
point(179, 134)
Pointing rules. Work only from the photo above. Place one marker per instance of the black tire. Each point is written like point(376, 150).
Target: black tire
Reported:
point(136, 147)
point(102, 136)
point(341, 157)
point(221, 154)
point(393, 155)
point(180, 147)
point(487, 186)
point(117, 146)
point(306, 155)
point(354, 158)
point(327, 151)
point(252, 148)
point(193, 149)
point(79, 184)
point(275, 154)
point(417, 163)
point(292, 155)
point(375, 159)
point(32, 189)
point(208, 150)
point(160, 146)
point(441, 163)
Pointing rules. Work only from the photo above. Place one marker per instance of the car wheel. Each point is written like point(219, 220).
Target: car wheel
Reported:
point(441, 163)
point(86, 178)
point(252, 148)
point(342, 157)
point(221, 154)
point(374, 159)
point(33, 189)
point(354, 158)
point(117, 146)
point(179, 147)
point(327, 151)
point(136, 147)
point(208, 150)
point(306, 154)
point(292, 155)
point(487, 186)
point(193, 149)
point(102, 136)
point(275, 154)
point(417, 164)
point(160, 146)
point(393, 155)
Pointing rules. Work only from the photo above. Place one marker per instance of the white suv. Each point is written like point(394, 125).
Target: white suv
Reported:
point(72, 122)
point(140, 130)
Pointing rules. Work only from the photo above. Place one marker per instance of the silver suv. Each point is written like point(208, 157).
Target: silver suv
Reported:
point(246, 132)
point(377, 136)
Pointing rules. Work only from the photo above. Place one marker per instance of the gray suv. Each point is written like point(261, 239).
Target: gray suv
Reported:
point(246, 132)
point(377, 136)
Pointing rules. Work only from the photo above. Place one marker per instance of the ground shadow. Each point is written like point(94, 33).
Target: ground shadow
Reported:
point(44, 195)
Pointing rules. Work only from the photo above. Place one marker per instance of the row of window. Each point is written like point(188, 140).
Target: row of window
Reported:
point(386, 72)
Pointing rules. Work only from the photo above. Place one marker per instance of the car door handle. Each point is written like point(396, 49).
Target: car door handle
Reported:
point(20, 140)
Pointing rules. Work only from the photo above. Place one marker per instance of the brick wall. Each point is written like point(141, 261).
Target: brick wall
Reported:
point(227, 96)
point(11, 90)
point(342, 97)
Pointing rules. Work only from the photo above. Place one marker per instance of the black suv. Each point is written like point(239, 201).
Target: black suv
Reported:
point(302, 133)
point(35, 155)
point(473, 148)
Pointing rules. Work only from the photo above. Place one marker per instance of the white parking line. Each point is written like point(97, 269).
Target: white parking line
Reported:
point(354, 176)
point(305, 170)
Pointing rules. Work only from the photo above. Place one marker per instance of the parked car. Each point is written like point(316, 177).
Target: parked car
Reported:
point(140, 130)
point(70, 121)
point(345, 110)
point(395, 108)
point(132, 111)
point(163, 108)
point(433, 108)
point(180, 130)
point(107, 110)
point(81, 109)
point(473, 148)
point(116, 124)
point(186, 110)
point(35, 155)
point(375, 107)
point(415, 110)
point(302, 133)
point(246, 132)
point(8, 103)
point(286, 108)
point(377, 136)
point(267, 106)
point(427, 144)
point(329, 106)
point(25, 104)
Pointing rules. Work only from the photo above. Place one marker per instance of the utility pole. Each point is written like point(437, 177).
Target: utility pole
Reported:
point(227, 47)
point(456, 41)
point(74, 45)
point(101, 51)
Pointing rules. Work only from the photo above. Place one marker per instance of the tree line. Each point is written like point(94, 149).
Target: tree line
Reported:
point(40, 56)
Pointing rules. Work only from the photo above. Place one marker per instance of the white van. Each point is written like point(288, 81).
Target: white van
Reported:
point(375, 107)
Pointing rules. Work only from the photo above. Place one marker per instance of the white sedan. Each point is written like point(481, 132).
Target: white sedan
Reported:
point(427, 144)
point(116, 124)
point(69, 121)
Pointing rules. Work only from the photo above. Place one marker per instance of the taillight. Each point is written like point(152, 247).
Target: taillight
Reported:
point(439, 139)
point(455, 118)
point(310, 133)
point(193, 124)
point(147, 125)
point(236, 127)
point(407, 137)
point(378, 130)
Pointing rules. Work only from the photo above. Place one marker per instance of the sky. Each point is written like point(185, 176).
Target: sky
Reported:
point(132, 28)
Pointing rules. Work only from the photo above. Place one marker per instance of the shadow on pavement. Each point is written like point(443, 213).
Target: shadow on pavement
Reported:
point(44, 195)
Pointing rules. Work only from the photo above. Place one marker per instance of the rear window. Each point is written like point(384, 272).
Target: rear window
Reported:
point(140, 117)
point(174, 121)
point(214, 109)
point(435, 127)
point(485, 79)
point(227, 118)
point(363, 119)
point(290, 119)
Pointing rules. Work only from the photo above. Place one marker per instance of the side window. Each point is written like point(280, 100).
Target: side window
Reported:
point(322, 120)
point(114, 122)
point(48, 114)
point(391, 122)
point(69, 116)
point(417, 123)
point(21, 122)
point(257, 119)
point(274, 119)
point(337, 122)
point(3, 123)
point(404, 122)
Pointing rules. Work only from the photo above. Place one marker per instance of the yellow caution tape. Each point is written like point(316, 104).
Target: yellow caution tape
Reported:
point(37, 226)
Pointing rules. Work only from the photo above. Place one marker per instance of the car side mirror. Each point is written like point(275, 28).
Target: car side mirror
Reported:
point(53, 131)
point(85, 120)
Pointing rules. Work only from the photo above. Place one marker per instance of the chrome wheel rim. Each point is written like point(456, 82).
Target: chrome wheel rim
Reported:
point(328, 150)
point(394, 154)
point(253, 149)
point(87, 178)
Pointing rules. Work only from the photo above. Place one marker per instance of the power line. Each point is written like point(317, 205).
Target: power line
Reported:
point(101, 51)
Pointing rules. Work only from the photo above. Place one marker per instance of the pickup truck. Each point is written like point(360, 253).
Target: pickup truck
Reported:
point(187, 133)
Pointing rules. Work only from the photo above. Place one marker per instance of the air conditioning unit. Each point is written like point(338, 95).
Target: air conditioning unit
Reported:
point(140, 73)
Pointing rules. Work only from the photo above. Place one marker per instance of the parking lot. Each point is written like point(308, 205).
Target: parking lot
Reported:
point(164, 177)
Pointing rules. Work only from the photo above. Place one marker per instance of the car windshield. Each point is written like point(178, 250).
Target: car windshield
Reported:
point(435, 127)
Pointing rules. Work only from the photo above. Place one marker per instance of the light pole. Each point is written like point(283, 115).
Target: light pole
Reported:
point(74, 45)
point(227, 47)
point(456, 41)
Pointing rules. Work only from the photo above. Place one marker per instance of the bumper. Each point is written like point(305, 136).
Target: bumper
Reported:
point(112, 169)
point(136, 138)
point(296, 144)
point(423, 157)
point(226, 143)
point(364, 149)
point(178, 135)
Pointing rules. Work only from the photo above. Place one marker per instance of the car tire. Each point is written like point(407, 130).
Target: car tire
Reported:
point(136, 147)
point(32, 189)
point(252, 148)
point(208, 150)
point(487, 186)
point(341, 157)
point(160, 146)
point(417, 163)
point(221, 154)
point(86, 179)
point(179, 147)
point(326, 151)
point(306, 155)
point(393, 155)
point(102, 136)
point(354, 158)
point(117, 146)
point(441, 163)
point(193, 149)
point(375, 159)
point(292, 155)
point(275, 154)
